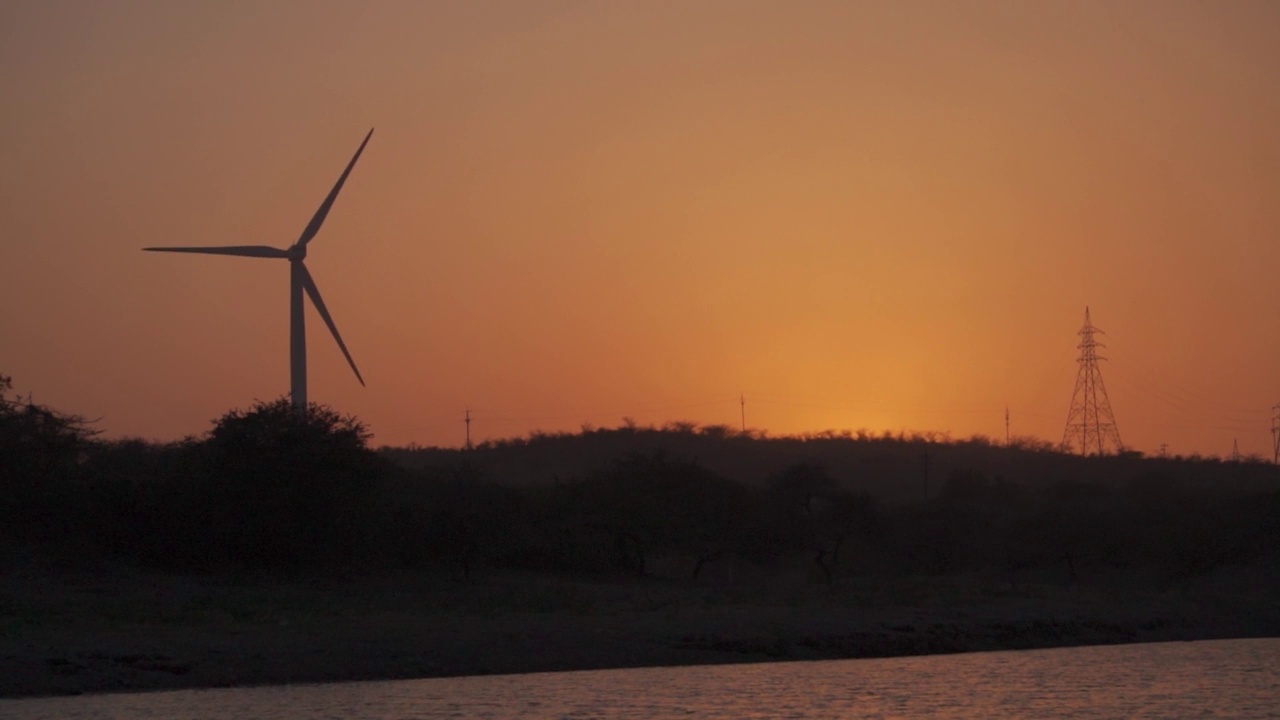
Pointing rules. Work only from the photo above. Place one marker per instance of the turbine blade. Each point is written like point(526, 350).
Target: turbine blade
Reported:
point(241, 250)
point(318, 219)
point(314, 293)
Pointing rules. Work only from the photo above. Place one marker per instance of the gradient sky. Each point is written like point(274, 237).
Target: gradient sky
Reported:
point(861, 215)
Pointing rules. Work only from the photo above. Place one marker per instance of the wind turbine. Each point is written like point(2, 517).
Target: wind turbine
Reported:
point(299, 282)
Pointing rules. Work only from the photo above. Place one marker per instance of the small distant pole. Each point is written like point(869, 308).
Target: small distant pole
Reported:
point(1164, 450)
point(742, 406)
point(1006, 426)
point(467, 419)
point(1275, 433)
point(1235, 450)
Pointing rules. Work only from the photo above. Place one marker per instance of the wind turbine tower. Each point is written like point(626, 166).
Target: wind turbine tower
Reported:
point(300, 283)
point(1091, 426)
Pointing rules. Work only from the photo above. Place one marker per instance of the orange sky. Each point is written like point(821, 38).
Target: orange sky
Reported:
point(879, 215)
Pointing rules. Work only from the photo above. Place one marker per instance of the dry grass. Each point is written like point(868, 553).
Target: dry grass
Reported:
point(119, 628)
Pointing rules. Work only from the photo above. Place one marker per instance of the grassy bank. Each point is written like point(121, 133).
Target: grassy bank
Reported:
point(64, 632)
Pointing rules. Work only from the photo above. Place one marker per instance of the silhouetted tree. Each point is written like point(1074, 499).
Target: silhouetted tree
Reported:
point(814, 514)
point(140, 497)
point(646, 505)
point(286, 487)
point(40, 452)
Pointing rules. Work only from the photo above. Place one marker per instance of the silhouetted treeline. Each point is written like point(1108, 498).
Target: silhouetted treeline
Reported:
point(896, 467)
point(273, 489)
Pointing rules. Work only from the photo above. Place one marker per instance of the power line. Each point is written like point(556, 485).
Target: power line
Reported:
point(1186, 407)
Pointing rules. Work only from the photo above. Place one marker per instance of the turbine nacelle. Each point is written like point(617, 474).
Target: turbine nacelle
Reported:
point(300, 284)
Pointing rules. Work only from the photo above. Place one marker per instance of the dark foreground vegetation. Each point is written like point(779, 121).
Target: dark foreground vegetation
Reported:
point(707, 518)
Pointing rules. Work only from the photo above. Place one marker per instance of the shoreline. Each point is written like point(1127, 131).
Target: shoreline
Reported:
point(67, 634)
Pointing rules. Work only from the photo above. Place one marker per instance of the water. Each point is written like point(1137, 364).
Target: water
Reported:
point(1225, 678)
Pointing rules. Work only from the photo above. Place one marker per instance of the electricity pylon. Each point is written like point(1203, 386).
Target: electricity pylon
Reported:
point(1091, 426)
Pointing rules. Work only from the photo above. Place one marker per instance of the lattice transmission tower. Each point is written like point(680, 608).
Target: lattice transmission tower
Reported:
point(1091, 426)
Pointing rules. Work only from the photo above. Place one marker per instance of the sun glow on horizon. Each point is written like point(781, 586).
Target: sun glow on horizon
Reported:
point(879, 215)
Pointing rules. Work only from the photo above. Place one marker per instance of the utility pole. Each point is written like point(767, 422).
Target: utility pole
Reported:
point(467, 419)
point(742, 407)
point(1091, 426)
point(1006, 425)
point(1164, 450)
point(1235, 450)
point(1275, 433)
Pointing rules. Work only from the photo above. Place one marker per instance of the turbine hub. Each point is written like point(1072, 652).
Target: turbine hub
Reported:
point(297, 252)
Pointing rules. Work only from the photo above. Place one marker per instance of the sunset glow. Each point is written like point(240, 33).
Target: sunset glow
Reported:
point(856, 215)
